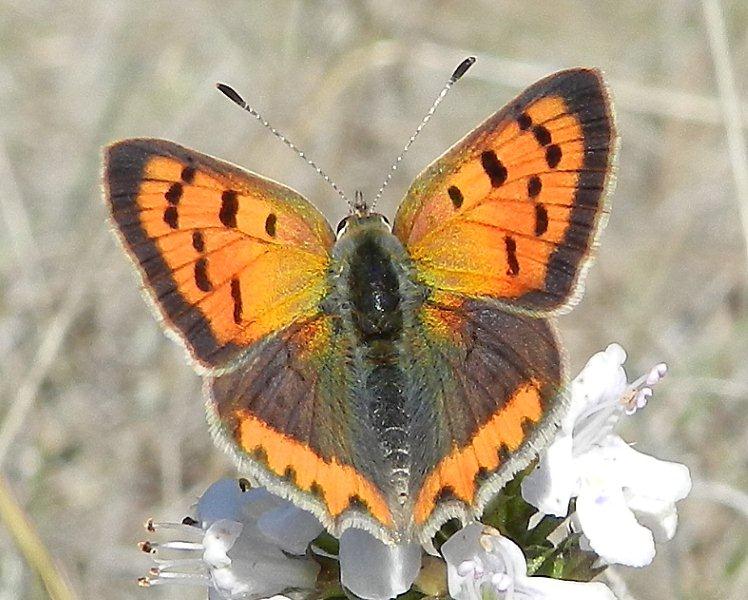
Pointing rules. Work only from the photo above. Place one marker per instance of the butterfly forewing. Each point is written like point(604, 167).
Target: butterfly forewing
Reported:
point(511, 212)
point(227, 257)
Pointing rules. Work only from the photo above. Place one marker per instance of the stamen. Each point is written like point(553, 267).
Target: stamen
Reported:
point(640, 391)
point(465, 568)
point(172, 579)
point(188, 526)
point(147, 547)
point(657, 373)
point(181, 563)
point(181, 545)
point(190, 578)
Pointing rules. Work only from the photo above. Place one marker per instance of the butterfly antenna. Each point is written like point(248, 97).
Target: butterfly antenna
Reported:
point(232, 95)
point(454, 78)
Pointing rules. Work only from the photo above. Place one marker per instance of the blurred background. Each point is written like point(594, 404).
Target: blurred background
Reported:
point(101, 420)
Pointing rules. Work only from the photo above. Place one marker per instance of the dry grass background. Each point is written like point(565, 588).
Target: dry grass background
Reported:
point(101, 422)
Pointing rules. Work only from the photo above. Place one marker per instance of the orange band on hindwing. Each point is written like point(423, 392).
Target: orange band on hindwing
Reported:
point(339, 486)
point(458, 471)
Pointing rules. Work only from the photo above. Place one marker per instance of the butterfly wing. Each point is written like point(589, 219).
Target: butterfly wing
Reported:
point(493, 379)
point(513, 210)
point(227, 257)
point(236, 265)
point(287, 415)
point(500, 230)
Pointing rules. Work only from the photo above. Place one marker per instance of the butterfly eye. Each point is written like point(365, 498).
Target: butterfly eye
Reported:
point(341, 225)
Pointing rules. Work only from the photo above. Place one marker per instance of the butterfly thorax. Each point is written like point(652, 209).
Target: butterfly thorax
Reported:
point(374, 301)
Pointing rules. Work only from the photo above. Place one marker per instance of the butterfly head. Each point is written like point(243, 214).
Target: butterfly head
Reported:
point(356, 222)
point(362, 217)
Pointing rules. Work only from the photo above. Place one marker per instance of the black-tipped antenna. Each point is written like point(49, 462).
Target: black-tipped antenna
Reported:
point(461, 69)
point(232, 95)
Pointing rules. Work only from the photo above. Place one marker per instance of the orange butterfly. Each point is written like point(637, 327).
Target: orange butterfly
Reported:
point(388, 380)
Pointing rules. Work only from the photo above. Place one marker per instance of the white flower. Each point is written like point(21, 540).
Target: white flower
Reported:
point(624, 499)
point(376, 571)
point(484, 565)
point(245, 543)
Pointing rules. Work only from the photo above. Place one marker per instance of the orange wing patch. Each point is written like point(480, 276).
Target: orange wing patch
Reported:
point(338, 485)
point(457, 473)
point(228, 257)
point(512, 211)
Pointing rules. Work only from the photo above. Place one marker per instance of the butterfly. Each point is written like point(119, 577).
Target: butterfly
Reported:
point(383, 378)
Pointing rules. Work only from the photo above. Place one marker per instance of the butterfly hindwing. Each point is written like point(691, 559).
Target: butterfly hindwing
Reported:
point(512, 211)
point(226, 256)
point(288, 417)
point(493, 379)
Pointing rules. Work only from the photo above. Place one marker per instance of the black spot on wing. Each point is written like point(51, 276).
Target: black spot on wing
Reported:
point(188, 174)
point(553, 155)
point(270, 223)
point(198, 241)
point(201, 275)
point(171, 217)
point(541, 220)
point(456, 196)
point(493, 167)
point(229, 208)
point(534, 186)
point(174, 193)
point(511, 256)
point(236, 296)
point(542, 135)
point(524, 121)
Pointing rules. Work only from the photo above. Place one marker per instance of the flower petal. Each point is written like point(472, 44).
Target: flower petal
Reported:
point(375, 571)
point(218, 540)
point(290, 527)
point(611, 528)
point(601, 381)
point(261, 569)
point(659, 516)
point(464, 545)
point(467, 560)
point(645, 475)
point(550, 486)
point(481, 563)
point(222, 500)
point(546, 588)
